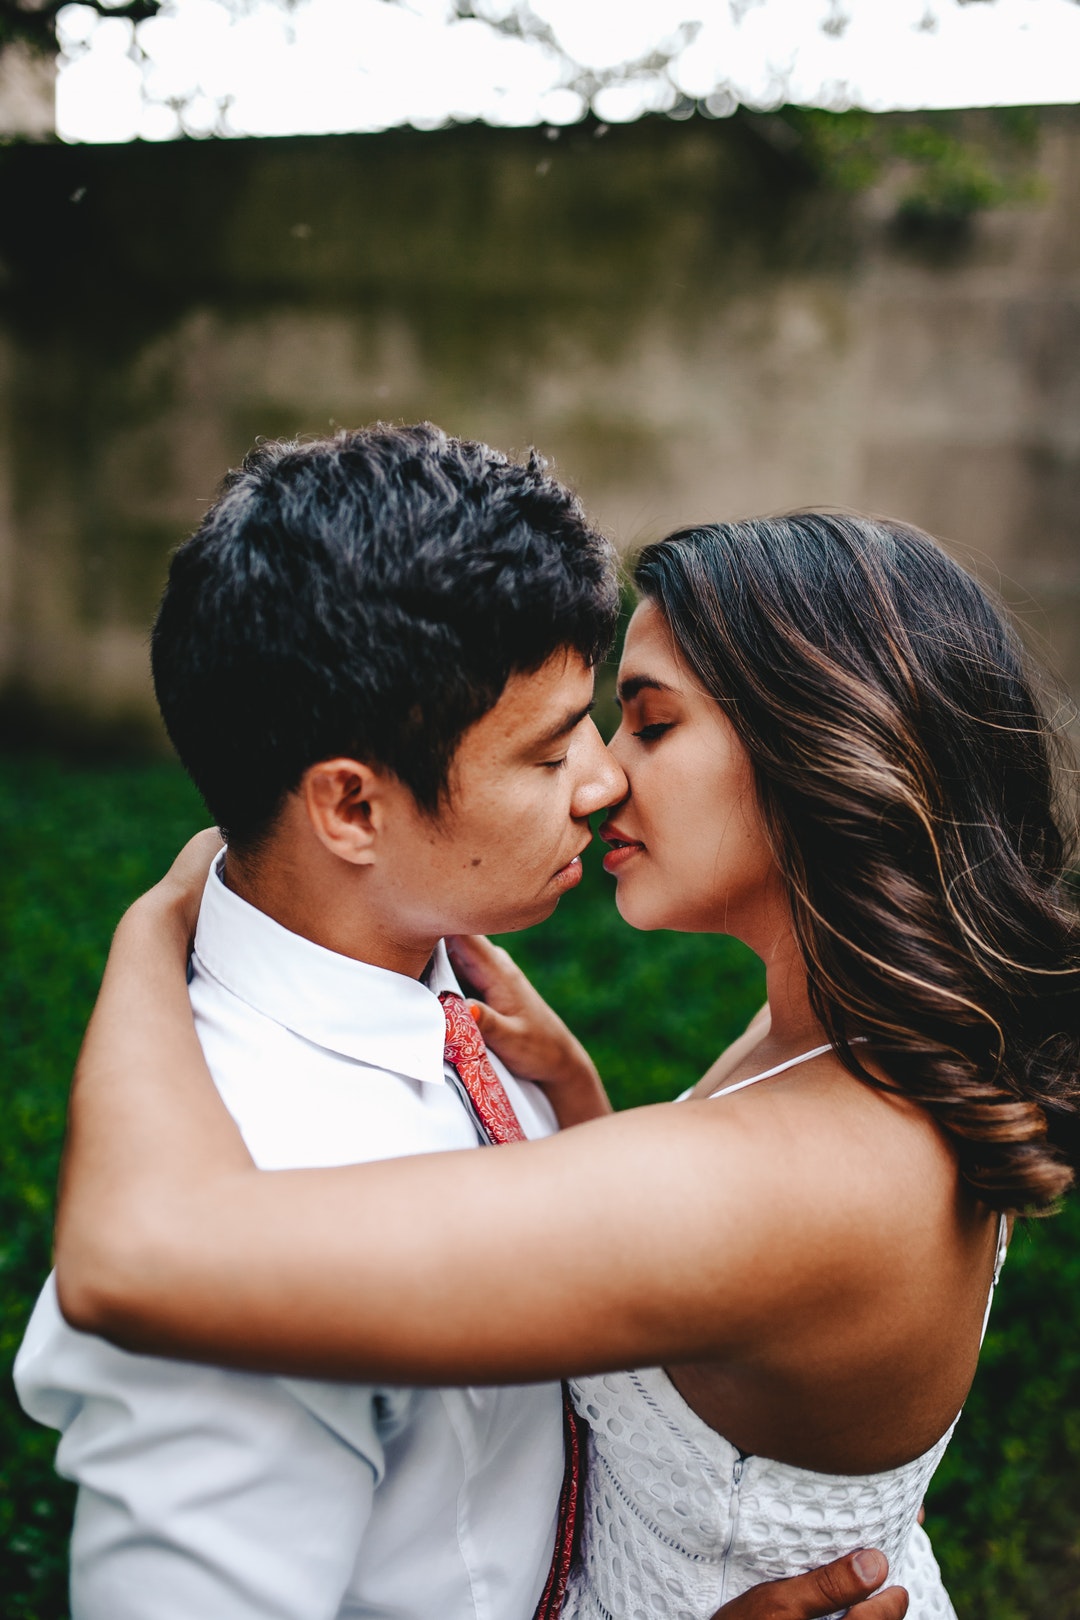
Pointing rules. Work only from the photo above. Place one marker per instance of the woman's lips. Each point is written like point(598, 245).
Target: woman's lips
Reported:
point(616, 859)
point(623, 848)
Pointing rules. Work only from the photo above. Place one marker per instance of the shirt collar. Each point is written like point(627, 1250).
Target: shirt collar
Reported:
point(380, 1018)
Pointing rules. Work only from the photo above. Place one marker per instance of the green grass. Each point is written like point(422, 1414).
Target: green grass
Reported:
point(78, 843)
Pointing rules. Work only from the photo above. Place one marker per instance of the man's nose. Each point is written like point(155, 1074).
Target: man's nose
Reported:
point(602, 781)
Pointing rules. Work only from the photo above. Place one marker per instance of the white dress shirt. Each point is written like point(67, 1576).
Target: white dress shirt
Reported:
point(213, 1495)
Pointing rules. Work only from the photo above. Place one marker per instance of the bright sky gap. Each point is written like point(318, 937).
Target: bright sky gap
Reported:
point(329, 66)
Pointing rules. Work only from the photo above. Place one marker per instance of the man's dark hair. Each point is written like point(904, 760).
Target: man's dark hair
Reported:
point(369, 595)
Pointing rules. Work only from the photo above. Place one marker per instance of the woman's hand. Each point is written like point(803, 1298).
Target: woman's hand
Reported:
point(183, 884)
point(530, 1038)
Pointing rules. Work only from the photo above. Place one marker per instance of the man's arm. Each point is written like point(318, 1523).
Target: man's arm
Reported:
point(836, 1586)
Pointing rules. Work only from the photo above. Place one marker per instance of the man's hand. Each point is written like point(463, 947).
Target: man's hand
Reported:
point(823, 1591)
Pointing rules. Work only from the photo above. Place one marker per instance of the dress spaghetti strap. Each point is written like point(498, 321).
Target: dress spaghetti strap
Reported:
point(999, 1261)
point(767, 1074)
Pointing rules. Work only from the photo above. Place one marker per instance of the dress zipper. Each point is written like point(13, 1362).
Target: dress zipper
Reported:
point(736, 1480)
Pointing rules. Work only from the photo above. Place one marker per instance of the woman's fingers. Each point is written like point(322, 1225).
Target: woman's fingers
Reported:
point(838, 1585)
point(186, 877)
point(487, 969)
point(522, 1050)
point(495, 1027)
point(190, 866)
point(469, 954)
point(529, 1036)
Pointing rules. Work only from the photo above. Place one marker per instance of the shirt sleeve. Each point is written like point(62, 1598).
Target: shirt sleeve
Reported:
point(202, 1493)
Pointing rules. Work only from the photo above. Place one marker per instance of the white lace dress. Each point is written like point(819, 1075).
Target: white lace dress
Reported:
point(677, 1521)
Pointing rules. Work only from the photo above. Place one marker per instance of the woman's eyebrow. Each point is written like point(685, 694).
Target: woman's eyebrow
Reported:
point(633, 684)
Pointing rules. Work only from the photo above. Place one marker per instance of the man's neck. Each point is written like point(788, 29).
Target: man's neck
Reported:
point(323, 905)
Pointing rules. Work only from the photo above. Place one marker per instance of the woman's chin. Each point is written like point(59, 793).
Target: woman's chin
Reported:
point(638, 912)
point(647, 912)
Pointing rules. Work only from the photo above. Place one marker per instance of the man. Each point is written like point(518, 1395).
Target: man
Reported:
point(375, 660)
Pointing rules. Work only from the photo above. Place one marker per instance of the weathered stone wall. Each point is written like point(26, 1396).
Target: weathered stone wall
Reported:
point(675, 312)
point(27, 93)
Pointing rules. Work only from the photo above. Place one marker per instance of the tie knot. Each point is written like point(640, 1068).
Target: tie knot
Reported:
point(466, 1052)
point(463, 1038)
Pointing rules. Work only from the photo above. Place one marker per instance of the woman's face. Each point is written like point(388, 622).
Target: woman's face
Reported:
point(689, 850)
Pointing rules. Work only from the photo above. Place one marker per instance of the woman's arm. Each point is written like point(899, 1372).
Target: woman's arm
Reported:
point(588, 1251)
point(659, 1235)
point(141, 1026)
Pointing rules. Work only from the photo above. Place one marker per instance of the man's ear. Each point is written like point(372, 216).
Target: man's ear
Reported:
point(345, 802)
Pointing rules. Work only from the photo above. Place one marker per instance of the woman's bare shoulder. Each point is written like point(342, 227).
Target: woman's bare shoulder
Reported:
point(863, 1178)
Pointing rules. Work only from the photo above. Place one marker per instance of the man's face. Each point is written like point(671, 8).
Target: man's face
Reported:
point(507, 844)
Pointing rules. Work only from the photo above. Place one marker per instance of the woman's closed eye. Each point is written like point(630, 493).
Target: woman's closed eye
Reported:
point(652, 733)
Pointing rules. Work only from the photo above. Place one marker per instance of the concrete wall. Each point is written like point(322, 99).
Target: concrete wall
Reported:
point(677, 313)
point(27, 92)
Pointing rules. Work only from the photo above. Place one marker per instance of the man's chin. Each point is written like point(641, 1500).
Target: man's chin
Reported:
point(525, 917)
point(511, 920)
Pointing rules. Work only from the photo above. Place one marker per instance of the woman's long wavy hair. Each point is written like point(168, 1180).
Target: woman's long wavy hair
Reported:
point(903, 771)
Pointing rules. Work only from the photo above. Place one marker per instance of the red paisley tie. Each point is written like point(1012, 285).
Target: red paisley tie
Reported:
point(466, 1051)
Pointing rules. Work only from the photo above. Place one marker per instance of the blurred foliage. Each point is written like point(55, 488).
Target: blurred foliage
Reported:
point(936, 169)
point(1004, 1509)
point(77, 846)
point(942, 174)
point(79, 842)
point(937, 172)
point(33, 22)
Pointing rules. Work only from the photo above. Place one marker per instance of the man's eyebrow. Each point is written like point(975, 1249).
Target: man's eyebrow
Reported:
point(562, 729)
point(634, 684)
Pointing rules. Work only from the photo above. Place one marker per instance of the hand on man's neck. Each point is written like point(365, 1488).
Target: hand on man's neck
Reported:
point(304, 888)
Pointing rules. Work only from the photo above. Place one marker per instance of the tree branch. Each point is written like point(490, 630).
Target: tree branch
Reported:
point(33, 22)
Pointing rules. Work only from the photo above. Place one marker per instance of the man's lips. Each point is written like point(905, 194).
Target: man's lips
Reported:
point(572, 868)
point(623, 848)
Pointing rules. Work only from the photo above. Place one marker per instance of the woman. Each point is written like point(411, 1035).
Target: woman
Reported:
point(833, 754)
